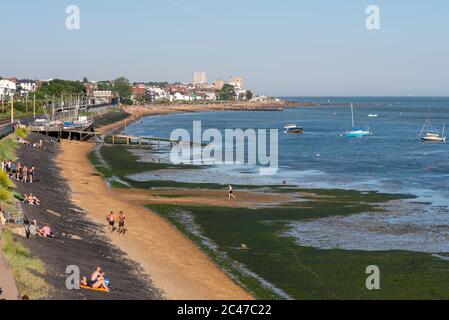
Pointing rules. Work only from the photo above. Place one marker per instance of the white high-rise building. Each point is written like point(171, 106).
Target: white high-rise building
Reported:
point(199, 78)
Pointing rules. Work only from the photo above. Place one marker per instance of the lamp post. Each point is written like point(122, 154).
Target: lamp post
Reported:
point(12, 109)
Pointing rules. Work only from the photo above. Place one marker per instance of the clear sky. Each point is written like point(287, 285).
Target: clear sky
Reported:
point(283, 47)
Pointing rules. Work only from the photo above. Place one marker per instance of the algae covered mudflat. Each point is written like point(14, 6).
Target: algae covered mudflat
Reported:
point(275, 266)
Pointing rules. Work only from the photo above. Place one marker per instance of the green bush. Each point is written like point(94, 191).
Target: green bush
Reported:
point(22, 132)
point(4, 180)
point(5, 195)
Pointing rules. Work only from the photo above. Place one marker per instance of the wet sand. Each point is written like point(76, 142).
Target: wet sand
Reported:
point(175, 264)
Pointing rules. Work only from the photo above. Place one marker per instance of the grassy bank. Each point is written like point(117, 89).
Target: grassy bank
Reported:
point(27, 270)
point(303, 272)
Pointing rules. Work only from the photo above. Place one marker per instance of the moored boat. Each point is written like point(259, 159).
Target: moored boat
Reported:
point(431, 136)
point(293, 128)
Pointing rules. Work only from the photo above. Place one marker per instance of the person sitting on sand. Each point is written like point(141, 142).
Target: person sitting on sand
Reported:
point(95, 284)
point(96, 274)
point(33, 229)
point(33, 200)
point(46, 232)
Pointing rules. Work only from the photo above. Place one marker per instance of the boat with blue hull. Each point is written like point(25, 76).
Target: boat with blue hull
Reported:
point(356, 132)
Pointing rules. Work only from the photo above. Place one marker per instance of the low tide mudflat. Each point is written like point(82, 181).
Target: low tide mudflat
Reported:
point(272, 264)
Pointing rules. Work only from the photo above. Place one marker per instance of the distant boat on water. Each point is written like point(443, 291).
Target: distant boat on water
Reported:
point(293, 128)
point(356, 132)
point(373, 115)
point(431, 136)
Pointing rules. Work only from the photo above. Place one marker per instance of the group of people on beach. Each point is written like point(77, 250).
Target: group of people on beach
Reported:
point(32, 229)
point(18, 171)
point(37, 145)
point(120, 218)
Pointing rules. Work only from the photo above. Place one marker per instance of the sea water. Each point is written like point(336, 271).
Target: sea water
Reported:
point(392, 160)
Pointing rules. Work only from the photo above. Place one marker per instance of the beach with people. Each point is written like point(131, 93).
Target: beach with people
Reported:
point(61, 234)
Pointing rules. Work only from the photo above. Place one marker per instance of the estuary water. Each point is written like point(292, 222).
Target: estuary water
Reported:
point(392, 160)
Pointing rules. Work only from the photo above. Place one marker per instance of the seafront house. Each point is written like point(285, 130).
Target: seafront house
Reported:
point(102, 97)
point(7, 89)
point(26, 86)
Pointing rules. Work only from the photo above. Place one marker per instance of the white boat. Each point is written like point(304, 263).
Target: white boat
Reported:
point(356, 132)
point(293, 128)
point(431, 136)
point(373, 115)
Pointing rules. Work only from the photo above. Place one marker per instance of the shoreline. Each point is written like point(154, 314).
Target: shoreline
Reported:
point(172, 261)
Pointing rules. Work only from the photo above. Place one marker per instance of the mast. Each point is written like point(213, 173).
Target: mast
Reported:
point(352, 115)
point(423, 128)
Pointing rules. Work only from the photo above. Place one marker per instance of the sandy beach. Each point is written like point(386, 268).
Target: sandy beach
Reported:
point(174, 263)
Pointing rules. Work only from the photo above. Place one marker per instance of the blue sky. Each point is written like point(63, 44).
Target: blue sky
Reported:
point(284, 47)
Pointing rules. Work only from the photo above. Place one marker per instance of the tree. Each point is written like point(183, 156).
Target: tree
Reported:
point(104, 86)
point(227, 93)
point(123, 87)
point(85, 80)
point(59, 87)
point(249, 95)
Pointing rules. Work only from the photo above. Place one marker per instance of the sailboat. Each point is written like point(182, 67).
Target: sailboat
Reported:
point(431, 136)
point(356, 132)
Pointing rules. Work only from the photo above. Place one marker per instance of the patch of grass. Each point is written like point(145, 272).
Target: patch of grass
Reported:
point(8, 147)
point(303, 272)
point(27, 270)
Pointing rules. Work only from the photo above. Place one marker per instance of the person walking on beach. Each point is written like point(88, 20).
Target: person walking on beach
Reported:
point(230, 193)
point(111, 220)
point(121, 223)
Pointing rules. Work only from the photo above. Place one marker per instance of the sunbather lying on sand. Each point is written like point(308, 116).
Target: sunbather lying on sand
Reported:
point(46, 232)
point(31, 199)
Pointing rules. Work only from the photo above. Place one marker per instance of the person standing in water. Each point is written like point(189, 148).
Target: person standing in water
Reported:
point(230, 193)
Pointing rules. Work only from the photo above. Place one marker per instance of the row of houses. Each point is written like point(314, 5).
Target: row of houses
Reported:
point(12, 86)
point(196, 91)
